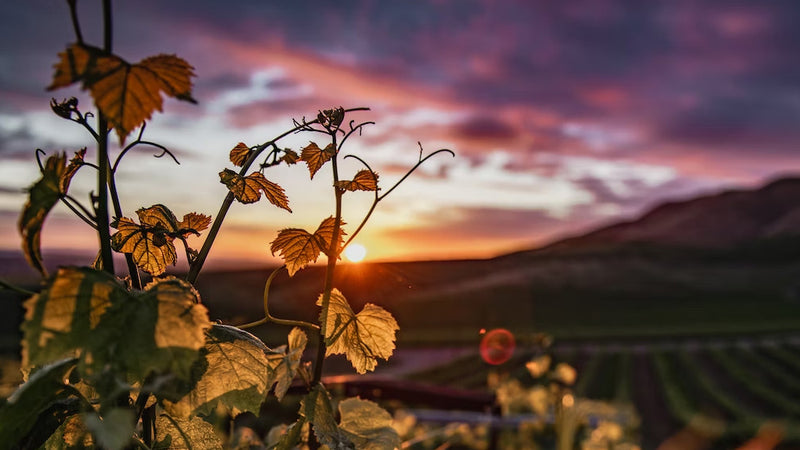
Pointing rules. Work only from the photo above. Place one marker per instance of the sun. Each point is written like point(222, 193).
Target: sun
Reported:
point(355, 252)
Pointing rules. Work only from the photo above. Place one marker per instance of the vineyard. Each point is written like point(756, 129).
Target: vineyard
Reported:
point(723, 390)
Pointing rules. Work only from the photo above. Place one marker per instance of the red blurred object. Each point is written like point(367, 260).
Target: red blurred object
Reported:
point(497, 346)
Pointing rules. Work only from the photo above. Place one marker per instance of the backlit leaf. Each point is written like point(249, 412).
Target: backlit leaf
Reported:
point(367, 425)
point(151, 242)
point(60, 319)
point(194, 223)
point(363, 424)
point(239, 154)
point(248, 189)
point(237, 374)
point(362, 337)
point(151, 248)
point(290, 156)
point(299, 248)
point(158, 216)
point(179, 433)
point(316, 408)
point(89, 314)
point(127, 94)
point(363, 181)
point(325, 231)
point(42, 196)
point(286, 361)
point(316, 157)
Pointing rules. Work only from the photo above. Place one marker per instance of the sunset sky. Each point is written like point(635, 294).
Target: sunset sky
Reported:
point(564, 115)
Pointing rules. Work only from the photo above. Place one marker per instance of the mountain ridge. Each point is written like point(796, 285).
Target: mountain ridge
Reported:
point(725, 219)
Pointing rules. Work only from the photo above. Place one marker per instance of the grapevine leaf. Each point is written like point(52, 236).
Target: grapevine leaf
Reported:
point(316, 408)
point(127, 94)
point(36, 404)
point(61, 318)
point(367, 425)
point(239, 154)
point(324, 233)
point(282, 437)
point(193, 223)
point(43, 195)
point(179, 433)
point(362, 337)
point(237, 374)
point(151, 248)
point(287, 360)
point(290, 156)
point(74, 164)
point(151, 242)
point(248, 189)
point(299, 248)
point(158, 215)
point(87, 313)
point(316, 157)
point(114, 430)
point(363, 181)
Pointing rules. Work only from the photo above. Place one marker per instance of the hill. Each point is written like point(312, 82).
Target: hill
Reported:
point(725, 220)
point(724, 263)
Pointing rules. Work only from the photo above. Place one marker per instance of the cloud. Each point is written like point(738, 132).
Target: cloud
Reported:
point(578, 110)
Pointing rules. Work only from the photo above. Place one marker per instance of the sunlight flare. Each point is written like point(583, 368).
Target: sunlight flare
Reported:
point(355, 252)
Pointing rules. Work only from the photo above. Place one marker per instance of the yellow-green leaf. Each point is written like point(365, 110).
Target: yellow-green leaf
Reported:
point(299, 248)
point(239, 154)
point(316, 157)
point(89, 314)
point(248, 189)
point(180, 433)
point(363, 181)
point(238, 374)
point(367, 425)
point(42, 196)
point(362, 337)
point(286, 361)
point(127, 94)
point(60, 318)
point(316, 409)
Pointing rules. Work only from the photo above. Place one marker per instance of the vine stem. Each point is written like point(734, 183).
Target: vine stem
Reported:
point(101, 207)
point(197, 265)
point(332, 254)
point(17, 289)
point(133, 271)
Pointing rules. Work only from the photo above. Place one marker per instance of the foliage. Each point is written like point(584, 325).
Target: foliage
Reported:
point(110, 363)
